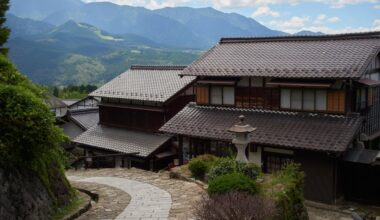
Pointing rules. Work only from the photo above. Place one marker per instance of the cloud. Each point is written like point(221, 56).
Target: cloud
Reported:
point(333, 19)
point(376, 7)
point(265, 11)
point(151, 4)
point(327, 30)
point(292, 25)
point(322, 18)
point(251, 3)
point(376, 25)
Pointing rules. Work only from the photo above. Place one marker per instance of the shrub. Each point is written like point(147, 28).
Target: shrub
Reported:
point(235, 205)
point(289, 193)
point(232, 182)
point(198, 168)
point(229, 165)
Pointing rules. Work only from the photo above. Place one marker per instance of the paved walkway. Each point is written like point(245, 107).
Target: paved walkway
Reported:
point(153, 195)
point(111, 202)
point(147, 201)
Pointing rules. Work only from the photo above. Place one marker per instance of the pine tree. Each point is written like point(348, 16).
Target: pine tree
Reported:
point(4, 31)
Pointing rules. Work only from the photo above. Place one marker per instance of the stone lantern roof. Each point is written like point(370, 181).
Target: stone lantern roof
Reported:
point(242, 126)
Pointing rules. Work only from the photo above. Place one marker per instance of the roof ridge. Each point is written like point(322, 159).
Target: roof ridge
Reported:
point(345, 36)
point(158, 67)
point(290, 113)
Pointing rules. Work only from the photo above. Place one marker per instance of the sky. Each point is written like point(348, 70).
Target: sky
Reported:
point(327, 16)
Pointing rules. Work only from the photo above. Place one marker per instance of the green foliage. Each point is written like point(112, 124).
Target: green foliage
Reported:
point(286, 188)
point(72, 91)
point(29, 138)
point(4, 31)
point(232, 182)
point(230, 165)
point(198, 168)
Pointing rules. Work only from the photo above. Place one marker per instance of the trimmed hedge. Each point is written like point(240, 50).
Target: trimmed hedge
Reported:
point(231, 183)
point(198, 168)
point(229, 165)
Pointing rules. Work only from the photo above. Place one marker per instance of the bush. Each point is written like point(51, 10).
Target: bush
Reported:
point(235, 205)
point(232, 182)
point(229, 165)
point(286, 188)
point(198, 168)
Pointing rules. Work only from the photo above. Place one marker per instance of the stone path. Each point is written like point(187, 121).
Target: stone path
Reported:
point(183, 196)
point(147, 201)
point(111, 202)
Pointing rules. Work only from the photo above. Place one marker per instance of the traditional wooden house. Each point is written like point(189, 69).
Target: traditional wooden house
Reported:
point(133, 107)
point(314, 100)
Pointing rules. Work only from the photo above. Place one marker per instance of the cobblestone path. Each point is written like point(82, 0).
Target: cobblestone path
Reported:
point(168, 198)
point(111, 203)
point(147, 201)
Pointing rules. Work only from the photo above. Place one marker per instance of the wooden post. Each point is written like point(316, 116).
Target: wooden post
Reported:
point(180, 149)
point(151, 165)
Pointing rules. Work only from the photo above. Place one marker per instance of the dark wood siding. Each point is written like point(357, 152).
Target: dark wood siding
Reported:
point(362, 182)
point(372, 114)
point(203, 95)
point(131, 118)
point(321, 178)
point(336, 101)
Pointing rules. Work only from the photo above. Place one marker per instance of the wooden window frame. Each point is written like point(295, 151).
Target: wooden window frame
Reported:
point(302, 100)
point(221, 86)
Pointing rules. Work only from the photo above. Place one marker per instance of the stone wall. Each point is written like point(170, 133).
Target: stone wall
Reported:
point(23, 196)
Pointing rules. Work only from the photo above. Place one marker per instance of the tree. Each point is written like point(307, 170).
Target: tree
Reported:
point(4, 31)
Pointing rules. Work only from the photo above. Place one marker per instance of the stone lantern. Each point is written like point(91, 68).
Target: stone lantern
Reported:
point(241, 139)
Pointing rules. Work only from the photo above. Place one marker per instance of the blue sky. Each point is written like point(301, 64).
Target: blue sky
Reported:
point(328, 16)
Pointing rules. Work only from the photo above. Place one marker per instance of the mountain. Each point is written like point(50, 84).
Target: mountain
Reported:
point(39, 9)
point(118, 19)
point(210, 24)
point(24, 27)
point(176, 27)
point(308, 33)
point(78, 53)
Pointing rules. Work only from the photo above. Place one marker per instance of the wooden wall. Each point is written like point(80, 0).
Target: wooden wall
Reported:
point(131, 118)
point(372, 114)
point(321, 180)
point(203, 95)
point(336, 101)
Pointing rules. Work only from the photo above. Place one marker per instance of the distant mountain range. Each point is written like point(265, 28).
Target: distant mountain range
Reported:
point(78, 53)
point(71, 42)
point(179, 27)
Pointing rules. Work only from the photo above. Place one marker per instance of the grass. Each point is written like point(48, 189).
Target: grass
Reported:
point(74, 205)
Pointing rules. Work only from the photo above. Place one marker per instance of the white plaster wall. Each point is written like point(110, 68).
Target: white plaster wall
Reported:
point(255, 157)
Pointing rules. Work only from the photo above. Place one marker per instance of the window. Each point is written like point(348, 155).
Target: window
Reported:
point(296, 99)
point(222, 95)
point(216, 95)
point(304, 99)
point(257, 82)
point(361, 98)
point(228, 96)
point(308, 99)
point(320, 102)
point(285, 98)
point(244, 82)
point(274, 162)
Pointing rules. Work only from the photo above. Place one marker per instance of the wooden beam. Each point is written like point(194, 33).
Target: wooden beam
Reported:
point(180, 149)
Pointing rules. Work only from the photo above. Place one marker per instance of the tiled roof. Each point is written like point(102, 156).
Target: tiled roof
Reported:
point(85, 118)
point(328, 56)
point(146, 83)
point(278, 129)
point(54, 102)
point(121, 140)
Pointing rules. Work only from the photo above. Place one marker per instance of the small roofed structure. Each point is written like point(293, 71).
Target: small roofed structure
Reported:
point(132, 108)
point(57, 106)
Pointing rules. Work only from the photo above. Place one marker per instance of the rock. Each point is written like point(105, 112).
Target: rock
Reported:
point(23, 196)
